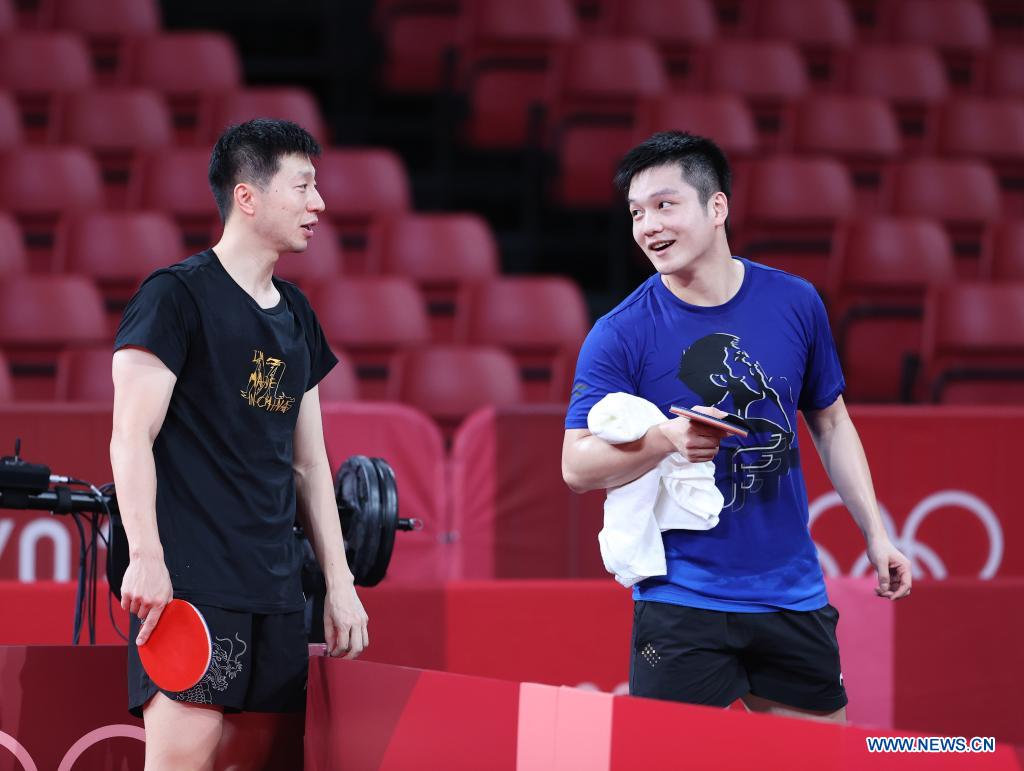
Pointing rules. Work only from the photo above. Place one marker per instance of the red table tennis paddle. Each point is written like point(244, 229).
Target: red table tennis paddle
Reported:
point(177, 653)
point(730, 424)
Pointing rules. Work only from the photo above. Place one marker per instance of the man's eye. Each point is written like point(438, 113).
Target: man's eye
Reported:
point(635, 213)
point(663, 204)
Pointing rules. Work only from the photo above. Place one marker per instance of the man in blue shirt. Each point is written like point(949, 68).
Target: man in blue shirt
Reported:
point(742, 611)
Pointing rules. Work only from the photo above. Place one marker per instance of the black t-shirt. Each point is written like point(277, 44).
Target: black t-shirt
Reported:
point(225, 497)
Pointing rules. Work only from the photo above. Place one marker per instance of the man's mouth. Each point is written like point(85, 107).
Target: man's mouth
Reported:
point(308, 227)
point(660, 246)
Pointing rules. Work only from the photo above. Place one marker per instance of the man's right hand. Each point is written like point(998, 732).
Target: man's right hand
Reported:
point(145, 591)
point(697, 442)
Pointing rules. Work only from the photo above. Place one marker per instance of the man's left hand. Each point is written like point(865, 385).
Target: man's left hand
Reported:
point(345, 622)
point(893, 570)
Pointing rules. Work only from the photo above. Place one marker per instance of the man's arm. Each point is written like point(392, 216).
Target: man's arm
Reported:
point(142, 391)
point(590, 463)
point(345, 621)
point(843, 457)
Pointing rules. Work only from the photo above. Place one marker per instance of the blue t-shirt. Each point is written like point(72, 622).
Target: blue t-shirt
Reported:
point(762, 355)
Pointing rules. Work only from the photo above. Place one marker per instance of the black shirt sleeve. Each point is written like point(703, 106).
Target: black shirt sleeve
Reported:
point(162, 318)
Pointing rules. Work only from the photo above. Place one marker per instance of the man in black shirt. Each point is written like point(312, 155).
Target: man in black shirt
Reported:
point(217, 445)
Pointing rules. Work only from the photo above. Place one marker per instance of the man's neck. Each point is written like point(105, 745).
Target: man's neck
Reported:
point(250, 264)
point(711, 280)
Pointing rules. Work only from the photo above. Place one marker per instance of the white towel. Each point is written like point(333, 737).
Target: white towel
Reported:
point(674, 495)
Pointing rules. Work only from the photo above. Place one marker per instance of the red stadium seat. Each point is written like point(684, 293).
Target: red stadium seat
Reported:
point(10, 122)
point(358, 186)
point(13, 259)
point(37, 87)
point(963, 195)
point(442, 253)
point(823, 30)
point(1006, 71)
point(6, 384)
point(118, 250)
point(117, 125)
point(449, 382)
point(8, 16)
point(418, 37)
point(877, 284)
point(322, 260)
point(974, 344)
point(1004, 257)
point(604, 82)
point(958, 29)
point(192, 69)
point(540, 320)
point(39, 185)
point(681, 45)
point(109, 27)
point(723, 117)
point(341, 383)
point(860, 130)
point(83, 375)
point(513, 54)
point(991, 129)
point(911, 78)
point(769, 75)
point(295, 104)
point(791, 211)
point(372, 318)
point(39, 317)
point(175, 181)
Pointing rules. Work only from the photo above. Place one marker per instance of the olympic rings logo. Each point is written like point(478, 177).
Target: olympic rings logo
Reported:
point(17, 749)
point(918, 553)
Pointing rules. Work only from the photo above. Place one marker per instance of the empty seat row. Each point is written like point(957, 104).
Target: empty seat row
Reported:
point(424, 39)
point(960, 342)
point(540, 321)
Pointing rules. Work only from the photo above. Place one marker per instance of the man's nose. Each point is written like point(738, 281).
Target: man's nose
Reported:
point(316, 203)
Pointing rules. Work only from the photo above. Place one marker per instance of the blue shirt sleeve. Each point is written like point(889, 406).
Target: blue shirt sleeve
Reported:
point(823, 379)
point(602, 368)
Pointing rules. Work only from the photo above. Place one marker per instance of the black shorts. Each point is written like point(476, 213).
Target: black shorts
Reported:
point(259, 664)
point(714, 657)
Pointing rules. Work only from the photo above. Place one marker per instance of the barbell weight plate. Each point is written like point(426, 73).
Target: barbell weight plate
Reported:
point(388, 521)
point(359, 491)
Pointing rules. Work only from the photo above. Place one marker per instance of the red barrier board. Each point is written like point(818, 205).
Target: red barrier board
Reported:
point(64, 707)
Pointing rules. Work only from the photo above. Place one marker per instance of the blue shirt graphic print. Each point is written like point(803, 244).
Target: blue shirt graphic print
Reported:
point(763, 355)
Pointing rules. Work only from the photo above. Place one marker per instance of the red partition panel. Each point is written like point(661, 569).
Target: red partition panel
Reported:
point(512, 513)
point(946, 478)
point(66, 708)
point(412, 444)
point(73, 440)
point(374, 716)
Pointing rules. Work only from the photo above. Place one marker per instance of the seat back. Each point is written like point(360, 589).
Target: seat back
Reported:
point(372, 318)
point(450, 382)
point(540, 320)
point(974, 343)
point(879, 276)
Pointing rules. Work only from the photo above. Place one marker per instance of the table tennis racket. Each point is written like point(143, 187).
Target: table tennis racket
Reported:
point(731, 424)
point(177, 653)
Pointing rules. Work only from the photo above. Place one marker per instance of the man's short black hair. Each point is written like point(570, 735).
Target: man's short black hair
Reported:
point(252, 152)
point(701, 161)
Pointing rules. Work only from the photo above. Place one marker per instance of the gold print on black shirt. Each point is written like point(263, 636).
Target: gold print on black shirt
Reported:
point(264, 381)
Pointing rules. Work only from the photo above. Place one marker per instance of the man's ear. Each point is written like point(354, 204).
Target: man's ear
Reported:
point(718, 380)
point(244, 196)
point(718, 206)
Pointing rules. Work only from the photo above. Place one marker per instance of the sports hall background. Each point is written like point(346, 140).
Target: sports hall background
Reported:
point(472, 236)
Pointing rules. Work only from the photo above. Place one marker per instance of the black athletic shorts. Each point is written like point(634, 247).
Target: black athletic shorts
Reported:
point(715, 657)
point(259, 664)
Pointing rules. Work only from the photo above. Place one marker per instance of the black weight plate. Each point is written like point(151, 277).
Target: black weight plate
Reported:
point(389, 521)
point(359, 491)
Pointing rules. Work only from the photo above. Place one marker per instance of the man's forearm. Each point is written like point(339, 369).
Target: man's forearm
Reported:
point(131, 459)
point(842, 455)
point(594, 464)
point(318, 512)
